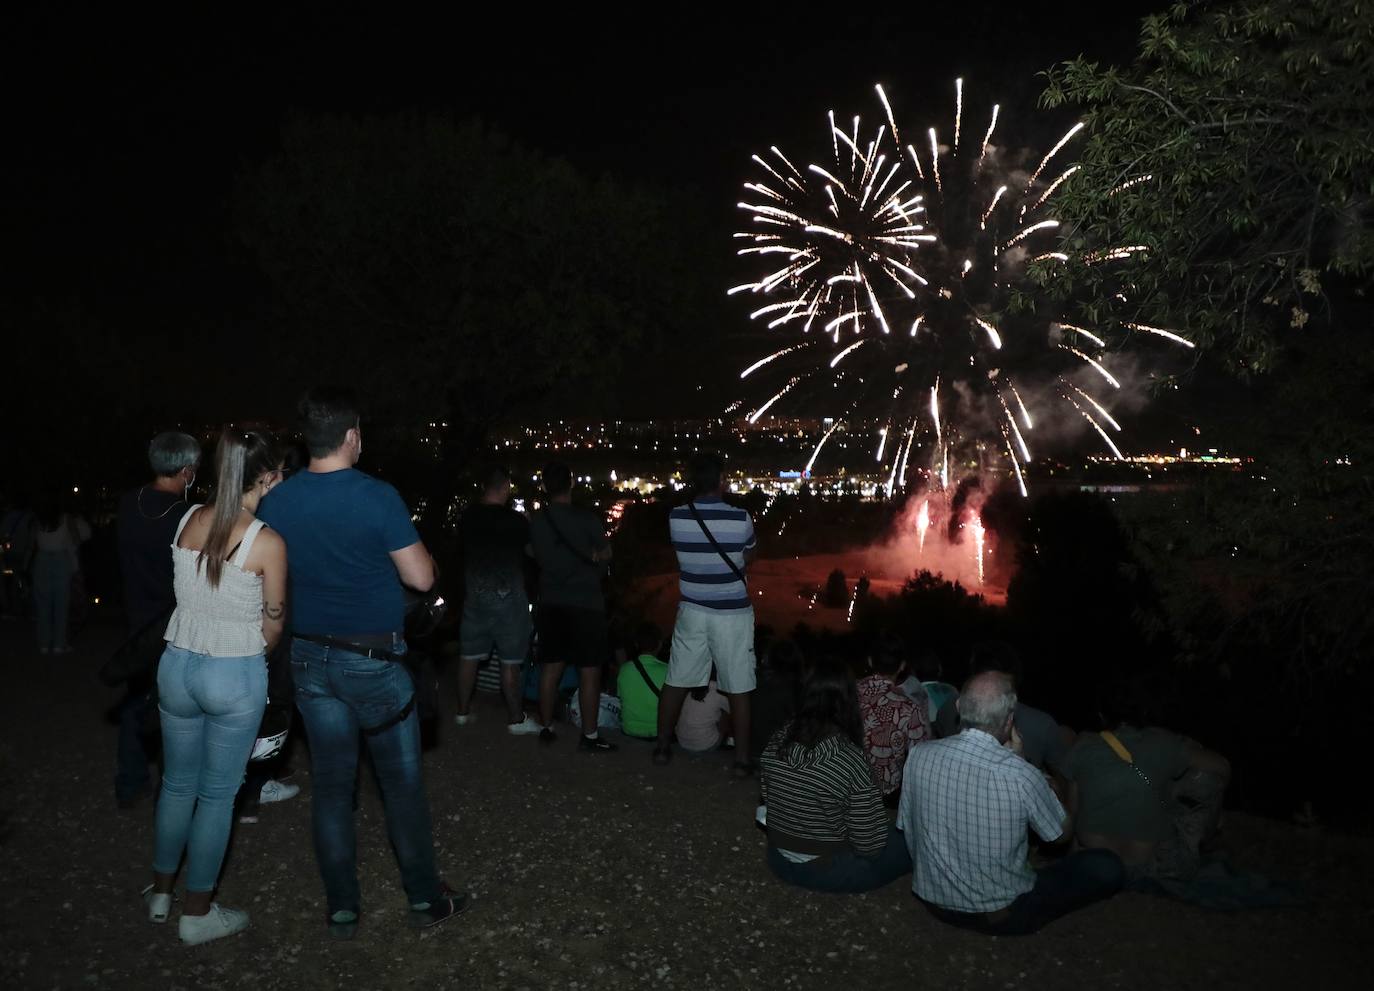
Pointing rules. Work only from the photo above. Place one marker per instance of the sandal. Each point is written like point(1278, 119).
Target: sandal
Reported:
point(663, 756)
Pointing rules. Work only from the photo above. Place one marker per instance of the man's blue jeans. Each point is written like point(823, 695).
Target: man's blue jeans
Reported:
point(1065, 886)
point(211, 709)
point(340, 695)
point(846, 872)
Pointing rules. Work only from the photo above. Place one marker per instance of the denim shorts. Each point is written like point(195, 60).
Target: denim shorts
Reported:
point(495, 624)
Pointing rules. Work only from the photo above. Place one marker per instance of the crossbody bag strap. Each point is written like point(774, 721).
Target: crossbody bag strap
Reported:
point(691, 508)
point(562, 539)
point(639, 666)
point(1119, 748)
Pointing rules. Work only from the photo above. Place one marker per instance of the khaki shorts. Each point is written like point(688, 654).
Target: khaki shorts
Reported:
point(702, 637)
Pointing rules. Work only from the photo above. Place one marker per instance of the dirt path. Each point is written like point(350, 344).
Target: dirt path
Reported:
point(588, 871)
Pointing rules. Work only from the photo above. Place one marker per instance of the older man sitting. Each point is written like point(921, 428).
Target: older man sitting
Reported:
point(965, 807)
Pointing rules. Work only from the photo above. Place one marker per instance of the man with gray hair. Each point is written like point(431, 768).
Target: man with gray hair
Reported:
point(966, 804)
point(146, 526)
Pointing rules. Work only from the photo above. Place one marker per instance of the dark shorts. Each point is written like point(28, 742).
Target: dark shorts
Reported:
point(568, 635)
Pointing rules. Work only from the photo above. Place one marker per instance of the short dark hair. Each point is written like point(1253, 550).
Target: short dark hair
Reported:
point(327, 415)
point(888, 654)
point(493, 477)
point(704, 471)
point(557, 478)
point(648, 638)
point(995, 655)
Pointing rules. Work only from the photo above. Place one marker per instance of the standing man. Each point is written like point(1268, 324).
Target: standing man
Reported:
point(715, 619)
point(145, 528)
point(496, 609)
point(352, 547)
point(572, 550)
point(966, 804)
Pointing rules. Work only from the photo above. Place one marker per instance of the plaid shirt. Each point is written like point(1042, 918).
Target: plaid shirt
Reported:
point(893, 724)
point(966, 803)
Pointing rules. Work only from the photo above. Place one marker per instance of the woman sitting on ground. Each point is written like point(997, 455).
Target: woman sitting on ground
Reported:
point(827, 829)
point(229, 575)
point(894, 722)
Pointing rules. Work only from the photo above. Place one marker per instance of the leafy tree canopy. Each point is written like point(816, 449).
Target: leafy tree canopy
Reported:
point(1238, 152)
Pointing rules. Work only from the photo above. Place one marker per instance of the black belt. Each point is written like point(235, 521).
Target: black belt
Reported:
point(381, 647)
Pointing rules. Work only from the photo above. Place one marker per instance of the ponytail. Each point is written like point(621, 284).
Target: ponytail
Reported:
point(240, 458)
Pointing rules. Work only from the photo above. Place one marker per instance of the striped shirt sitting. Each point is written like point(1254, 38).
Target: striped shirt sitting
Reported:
point(706, 581)
point(966, 803)
point(822, 800)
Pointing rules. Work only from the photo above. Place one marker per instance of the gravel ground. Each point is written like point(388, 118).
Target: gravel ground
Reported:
point(587, 871)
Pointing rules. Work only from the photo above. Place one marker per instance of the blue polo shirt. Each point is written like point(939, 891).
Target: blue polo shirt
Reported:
point(340, 528)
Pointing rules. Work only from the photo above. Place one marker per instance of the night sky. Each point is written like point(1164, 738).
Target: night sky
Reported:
point(127, 131)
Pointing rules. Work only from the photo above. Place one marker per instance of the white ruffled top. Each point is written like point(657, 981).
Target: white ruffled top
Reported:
point(219, 622)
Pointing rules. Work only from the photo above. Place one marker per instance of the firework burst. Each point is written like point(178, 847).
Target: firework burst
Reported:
point(892, 269)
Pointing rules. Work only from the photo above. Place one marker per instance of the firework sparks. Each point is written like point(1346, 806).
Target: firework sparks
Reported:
point(923, 524)
point(864, 241)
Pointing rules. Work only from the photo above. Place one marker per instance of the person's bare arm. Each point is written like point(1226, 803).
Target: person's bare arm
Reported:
point(270, 550)
point(414, 566)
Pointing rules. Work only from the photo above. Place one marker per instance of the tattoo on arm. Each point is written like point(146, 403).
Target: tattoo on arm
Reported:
point(274, 611)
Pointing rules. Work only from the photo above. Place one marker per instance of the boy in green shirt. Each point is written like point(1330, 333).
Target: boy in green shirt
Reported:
point(640, 683)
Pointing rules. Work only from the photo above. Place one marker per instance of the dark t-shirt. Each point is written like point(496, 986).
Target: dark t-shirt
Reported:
point(1112, 798)
point(567, 576)
point(1042, 741)
point(146, 523)
point(494, 542)
point(340, 528)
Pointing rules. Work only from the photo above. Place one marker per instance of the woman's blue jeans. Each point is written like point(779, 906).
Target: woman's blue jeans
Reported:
point(211, 709)
point(342, 694)
point(846, 872)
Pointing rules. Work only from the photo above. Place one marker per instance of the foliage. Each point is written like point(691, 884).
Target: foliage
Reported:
point(451, 274)
point(1244, 129)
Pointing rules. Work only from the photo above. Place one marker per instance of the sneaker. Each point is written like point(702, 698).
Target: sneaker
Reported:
point(343, 925)
point(214, 924)
point(547, 736)
point(428, 914)
point(249, 813)
point(596, 745)
point(526, 727)
point(462, 720)
point(158, 905)
point(275, 791)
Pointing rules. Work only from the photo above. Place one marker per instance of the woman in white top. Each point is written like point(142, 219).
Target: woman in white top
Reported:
point(57, 539)
point(229, 574)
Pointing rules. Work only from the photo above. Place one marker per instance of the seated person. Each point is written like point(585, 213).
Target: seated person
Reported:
point(705, 721)
point(775, 698)
point(1045, 744)
point(639, 684)
point(967, 802)
point(827, 829)
point(1150, 796)
point(923, 679)
point(893, 721)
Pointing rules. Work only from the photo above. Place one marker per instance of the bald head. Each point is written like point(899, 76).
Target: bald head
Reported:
point(987, 702)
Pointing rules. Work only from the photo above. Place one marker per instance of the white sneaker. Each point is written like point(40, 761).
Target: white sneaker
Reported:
point(462, 720)
point(275, 791)
point(526, 727)
point(158, 905)
point(214, 924)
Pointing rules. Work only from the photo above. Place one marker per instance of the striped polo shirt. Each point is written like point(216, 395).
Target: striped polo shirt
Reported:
point(705, 579)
